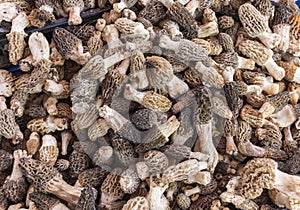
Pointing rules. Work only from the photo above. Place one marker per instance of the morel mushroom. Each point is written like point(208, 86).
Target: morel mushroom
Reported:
point(266, 169)
point(16, 38)
point(73, 8)
point(158, 135)
point(149, 99)
point(69, 46)
point(15, 185)
point(8, 126)
point(256, 25)
point(43, 13)
point(262, 56)
point(47, 179)
point(119, 124)
point(45, 201)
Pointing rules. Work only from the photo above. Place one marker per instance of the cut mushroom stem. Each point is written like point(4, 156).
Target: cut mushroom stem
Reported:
point(74, 16)
point(66, 136)
point(271, 40)
point(276, 71)
point(245, 63)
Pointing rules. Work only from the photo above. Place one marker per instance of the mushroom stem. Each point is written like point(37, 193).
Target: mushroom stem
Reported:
point(208, 29)
point(74, 16)
point(63, 190)
point(115, 58)
point(113, 118)
point(168, 43)
point(271, 40)
point(231, 148)
point(65, 140)
point(17, 172)
point(276, 71)
point(245, 63)
point(205, 144)
point(131, 94)
point(177, 87)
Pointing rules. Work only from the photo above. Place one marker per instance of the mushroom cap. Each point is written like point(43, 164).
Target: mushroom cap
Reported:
point(38, 173)
point(258, 173)
point(6, 160)
point(43, 201)
point(154, 12)
point(137, 203)
point(8, 124)
point(144, 119)
point(256, 51)
point(87, 199)
point(79, 161)
point(65, 42)
point(62, 164)
point(15, 190)
point(111, 185)
point(124, 150)
point(129, 181)
point(226, 59)
point(92, 177)
point(252, 20)
point(183, 201)
point(225, 22)
point(156, 160)
point(281, 15)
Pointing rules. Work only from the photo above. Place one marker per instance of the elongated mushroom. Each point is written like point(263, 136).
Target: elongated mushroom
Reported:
point(47, 179)
point(256, 25)
point(16, 38)
point(15, 185)
point(69, 46)
point(120, 124)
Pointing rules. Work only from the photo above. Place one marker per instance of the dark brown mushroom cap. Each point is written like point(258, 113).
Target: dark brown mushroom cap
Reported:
point(235, 103)
point(6, 160)
point(293, 163)
point(279, 100)
point(281, 15)
point(226, 59)
point(92, 177)
point(181, 15)
point(209, 188)
point(226, 42)
point(124, 150)
point(258, 173)
point(144, 119)
point(84, 32)
point(15, 190)
point(43, 201)
point(79, 161)
point(38, 173)
point(154, 12)
point(65, 42)
point(86, 199)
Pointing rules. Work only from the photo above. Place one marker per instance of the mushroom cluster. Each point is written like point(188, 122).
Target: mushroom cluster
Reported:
point(155, 105)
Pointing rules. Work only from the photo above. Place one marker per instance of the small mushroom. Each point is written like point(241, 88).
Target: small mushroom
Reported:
point(124, 150)
point(136, 203)
point(47, 124)
point(73, 8)
point(6, 160)
point(149, 99)
point(8, 126)
point(158, 135)
point(47, 179)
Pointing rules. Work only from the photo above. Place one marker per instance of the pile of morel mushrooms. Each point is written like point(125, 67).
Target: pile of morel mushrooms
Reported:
point(153, 105)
